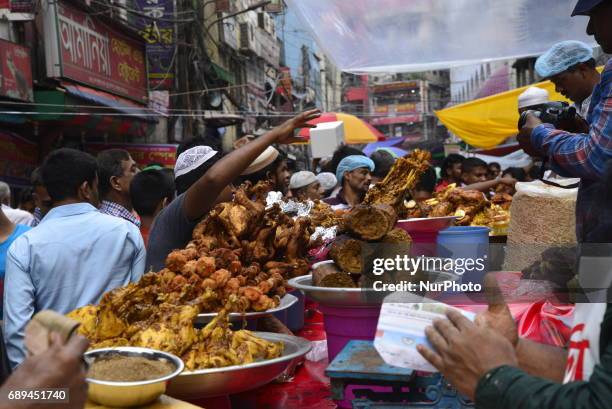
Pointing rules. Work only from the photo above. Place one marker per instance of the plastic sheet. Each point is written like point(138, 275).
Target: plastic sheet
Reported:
point(420, 35)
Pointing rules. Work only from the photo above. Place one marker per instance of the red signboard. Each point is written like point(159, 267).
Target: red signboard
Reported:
point(15, 71)
point(143, 154)
point(18, 158)
point(98, 55)
point(395, 120)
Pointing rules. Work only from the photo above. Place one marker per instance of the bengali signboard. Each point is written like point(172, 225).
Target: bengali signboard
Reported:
point(88, 51)
point(143, 154)
point(395, 86)
point(15, 71)
point(18, 158)
point(158, 34)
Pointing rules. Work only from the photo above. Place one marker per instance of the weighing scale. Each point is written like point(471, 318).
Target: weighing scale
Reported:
point(358, 364)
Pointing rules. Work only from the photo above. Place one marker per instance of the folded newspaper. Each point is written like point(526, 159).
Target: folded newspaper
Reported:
point(401, 327)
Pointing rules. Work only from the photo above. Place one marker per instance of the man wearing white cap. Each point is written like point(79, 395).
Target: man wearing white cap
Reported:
point(328, 182)
point(305, 186)
point(203, 178)
point(270, 166)
point(571, 67)
point(531, 98)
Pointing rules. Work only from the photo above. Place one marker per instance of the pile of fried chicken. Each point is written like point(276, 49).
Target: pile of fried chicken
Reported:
point(130, 316)
point(471, 207)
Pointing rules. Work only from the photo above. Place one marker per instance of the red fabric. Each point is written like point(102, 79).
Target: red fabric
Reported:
point(443, 184)
point(546, 323)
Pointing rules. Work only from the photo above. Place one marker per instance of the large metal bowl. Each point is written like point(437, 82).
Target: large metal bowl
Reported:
point(339, 297)
point(287, 301)
point(128, 394)
point(229, 380)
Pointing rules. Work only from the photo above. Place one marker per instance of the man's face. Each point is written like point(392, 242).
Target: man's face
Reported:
point(494, 172)
point(573, 84)
point(42, 200)
point(454, 172)
point(130, 169)
point(359, 179)
point(313, 191)
point(477, 174)
point(600, 26)
point(281, 177)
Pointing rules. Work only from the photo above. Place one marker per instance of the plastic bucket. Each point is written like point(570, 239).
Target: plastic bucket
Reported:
point(295, 313)
point(467, 243)
point(343, 324)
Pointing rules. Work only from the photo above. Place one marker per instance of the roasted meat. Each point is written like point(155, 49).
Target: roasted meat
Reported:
point(370, 222)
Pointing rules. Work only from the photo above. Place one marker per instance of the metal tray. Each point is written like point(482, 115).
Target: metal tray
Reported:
point(229, 380)
point(287, 301)
point(339, 297)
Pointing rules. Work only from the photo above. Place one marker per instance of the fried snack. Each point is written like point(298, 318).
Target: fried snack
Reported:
point(403, 176)
point(323, 215)
point(347, 255)
point(396, 236)
point(338, 280)
point(323, 270)
point(371, 222)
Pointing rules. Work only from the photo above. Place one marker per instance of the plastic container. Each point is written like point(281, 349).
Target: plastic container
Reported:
point(343, 324)
point(295, 313)
point(468, 243)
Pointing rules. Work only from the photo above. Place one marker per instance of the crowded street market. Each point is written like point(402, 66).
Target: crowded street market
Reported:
point(291, 204)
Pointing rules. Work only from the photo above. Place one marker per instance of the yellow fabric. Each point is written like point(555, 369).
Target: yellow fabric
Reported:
point(355, 130)
point(489, 121)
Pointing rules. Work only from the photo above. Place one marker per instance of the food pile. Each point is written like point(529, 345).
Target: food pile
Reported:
point(128, 317)
point(366, 226)
point(471, 207)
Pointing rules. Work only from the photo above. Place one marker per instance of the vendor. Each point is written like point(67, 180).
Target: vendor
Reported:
point(450, 171)
point(474, 176)
point(354, 175)
point(305, 186)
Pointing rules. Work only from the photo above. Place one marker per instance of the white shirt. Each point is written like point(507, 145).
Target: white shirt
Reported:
point(18, 216)
point(583, 351)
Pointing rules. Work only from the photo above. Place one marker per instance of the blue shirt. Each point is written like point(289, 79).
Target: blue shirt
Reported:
point(69, 260)
point(4, 246)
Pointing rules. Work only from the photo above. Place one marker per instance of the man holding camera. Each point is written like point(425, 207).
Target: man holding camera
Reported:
point(482, 361)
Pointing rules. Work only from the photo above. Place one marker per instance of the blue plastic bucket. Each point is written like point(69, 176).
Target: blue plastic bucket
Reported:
point(463, 243)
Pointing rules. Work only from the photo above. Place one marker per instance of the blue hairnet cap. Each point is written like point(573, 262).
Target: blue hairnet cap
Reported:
point(562, 56)
point(351, 163)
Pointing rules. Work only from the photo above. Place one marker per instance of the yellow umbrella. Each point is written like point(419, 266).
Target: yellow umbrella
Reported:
point(355, 130)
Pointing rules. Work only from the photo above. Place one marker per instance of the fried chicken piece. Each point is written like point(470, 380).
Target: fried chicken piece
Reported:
point(177, 259)
point(442, 209)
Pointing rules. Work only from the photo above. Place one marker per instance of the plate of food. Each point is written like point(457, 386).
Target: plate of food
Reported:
point(285, 302)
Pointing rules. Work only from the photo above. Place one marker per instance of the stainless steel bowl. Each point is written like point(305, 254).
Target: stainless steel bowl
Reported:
point(287, 301)
point(229, 380)
point(127, 394)
point(339, 297)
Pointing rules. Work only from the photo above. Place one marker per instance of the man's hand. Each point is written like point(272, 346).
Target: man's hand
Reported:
point(507, 180)
point(286, 129)
point(464, 352)
point(497, 316)
point(60, 366)
point(524, 135)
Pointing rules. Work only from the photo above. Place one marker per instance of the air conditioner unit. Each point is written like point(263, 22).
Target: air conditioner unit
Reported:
point(247, 38)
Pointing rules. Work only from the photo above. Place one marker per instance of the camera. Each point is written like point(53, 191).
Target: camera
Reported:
point(555, 113)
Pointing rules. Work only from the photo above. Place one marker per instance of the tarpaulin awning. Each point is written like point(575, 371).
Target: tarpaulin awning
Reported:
point(387, 143)
point(355, 130)
point(420, 35)
point(119, 104)
point(489, 121)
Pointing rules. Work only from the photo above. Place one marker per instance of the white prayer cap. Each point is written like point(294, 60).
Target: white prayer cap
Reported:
point(192, 159)
point(301, 179)
point(532, 96)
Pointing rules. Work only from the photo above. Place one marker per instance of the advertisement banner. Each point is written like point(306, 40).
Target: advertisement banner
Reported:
point(143, 154)
point(18, 158)
point(95, 54)
point(160, 41)
point(15, 71)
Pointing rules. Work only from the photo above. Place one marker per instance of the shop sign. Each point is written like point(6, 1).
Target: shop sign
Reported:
point(15, 71)
point(22, 6)
point(395, 86)
point(143, 154)
point(18, 158)
point(88, 51)
point(159, 37)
